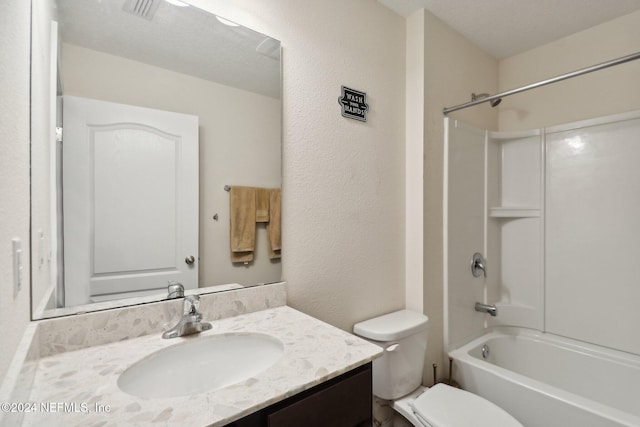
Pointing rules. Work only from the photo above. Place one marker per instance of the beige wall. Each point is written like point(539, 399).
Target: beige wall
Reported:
point(43, 99)
point(343, 206)
point(610, 91)
point(343, 200)
point(454, 68)
point(14, 167)
point(343, 180)
point(235, 149)
point(414, 163)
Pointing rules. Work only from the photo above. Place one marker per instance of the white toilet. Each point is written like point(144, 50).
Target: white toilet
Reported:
point(397, 377)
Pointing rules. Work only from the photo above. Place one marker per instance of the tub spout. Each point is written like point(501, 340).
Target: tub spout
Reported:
point(486, 308)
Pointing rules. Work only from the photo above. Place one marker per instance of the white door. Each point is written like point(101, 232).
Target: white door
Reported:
point(130, 202)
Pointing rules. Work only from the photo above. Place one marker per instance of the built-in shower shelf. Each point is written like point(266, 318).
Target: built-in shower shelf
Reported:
point(513, 212)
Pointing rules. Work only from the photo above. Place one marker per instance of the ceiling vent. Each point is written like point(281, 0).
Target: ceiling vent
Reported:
point(141, 8)
point(269, 47)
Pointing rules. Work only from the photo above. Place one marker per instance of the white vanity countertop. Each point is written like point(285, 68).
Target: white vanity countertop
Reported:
point(85, 380)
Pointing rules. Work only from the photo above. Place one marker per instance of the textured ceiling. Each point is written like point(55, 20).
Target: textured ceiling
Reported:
point(191, 41)
point(503, 28)
point(183, 39)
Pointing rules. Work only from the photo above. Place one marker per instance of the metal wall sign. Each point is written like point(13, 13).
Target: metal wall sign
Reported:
point(354, 104)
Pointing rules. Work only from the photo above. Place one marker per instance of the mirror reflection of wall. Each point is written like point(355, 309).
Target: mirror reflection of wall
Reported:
point(181, 60)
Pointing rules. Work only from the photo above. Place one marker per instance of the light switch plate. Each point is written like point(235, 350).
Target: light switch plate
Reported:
point(16, 245)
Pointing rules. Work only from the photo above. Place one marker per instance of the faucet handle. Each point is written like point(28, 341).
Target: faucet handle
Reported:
point(175, 290)
point(191, 304)
point(478, 265)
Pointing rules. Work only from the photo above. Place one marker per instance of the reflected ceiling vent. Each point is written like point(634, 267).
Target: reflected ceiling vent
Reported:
point(269, 47)
point(141, 8)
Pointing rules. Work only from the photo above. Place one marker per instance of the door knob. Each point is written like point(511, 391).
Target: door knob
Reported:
point(190, 260)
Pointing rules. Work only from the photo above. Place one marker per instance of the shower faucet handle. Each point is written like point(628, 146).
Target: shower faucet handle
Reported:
point(478, 265)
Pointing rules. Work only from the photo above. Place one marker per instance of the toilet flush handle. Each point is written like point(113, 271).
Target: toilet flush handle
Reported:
point(392, 347)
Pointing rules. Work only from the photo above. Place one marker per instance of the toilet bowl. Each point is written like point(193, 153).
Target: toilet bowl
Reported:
point(397, 377)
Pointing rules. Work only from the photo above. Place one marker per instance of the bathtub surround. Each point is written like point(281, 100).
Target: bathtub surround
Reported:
point(534, 204)
point(602, 93)
point(555, 211)
point(593, 214)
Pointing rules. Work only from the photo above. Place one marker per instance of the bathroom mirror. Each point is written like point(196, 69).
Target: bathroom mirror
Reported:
point(144, 114)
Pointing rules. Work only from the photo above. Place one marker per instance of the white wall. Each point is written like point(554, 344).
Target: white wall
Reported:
point(343, 180)
point(614, 90)
point(592, 229)
point(454, 68)
point(414, 162)
point(343, 198)
point(14, 167)
point(235, 149)
point(605, 92)
point(602, 93)
point(43, 98)
point(515, 228)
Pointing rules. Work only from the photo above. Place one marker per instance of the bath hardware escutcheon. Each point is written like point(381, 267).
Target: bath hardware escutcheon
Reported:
point(478, 265)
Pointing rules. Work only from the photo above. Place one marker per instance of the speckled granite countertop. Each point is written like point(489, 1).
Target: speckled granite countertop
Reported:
point(85, 380)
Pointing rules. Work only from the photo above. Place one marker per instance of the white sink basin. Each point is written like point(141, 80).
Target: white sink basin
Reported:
point(203, 363)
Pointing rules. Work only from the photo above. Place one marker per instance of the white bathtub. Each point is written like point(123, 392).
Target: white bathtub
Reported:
point(545, 380)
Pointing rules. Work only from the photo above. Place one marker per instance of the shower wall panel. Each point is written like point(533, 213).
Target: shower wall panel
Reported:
point(593, 232)
point(466, 235)
point(556, 212)
point(515, 222)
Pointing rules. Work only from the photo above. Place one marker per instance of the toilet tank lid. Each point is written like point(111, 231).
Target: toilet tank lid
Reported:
point(446, 406)
point(392, 326)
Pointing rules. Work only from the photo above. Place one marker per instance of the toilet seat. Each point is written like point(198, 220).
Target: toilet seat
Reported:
point(446, 406)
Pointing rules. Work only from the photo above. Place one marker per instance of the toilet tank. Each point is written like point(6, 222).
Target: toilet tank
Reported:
point(403, 336)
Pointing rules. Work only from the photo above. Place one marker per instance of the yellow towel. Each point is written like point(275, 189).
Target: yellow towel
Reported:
point(262, 204)
point(242, 214)
point(273, 227)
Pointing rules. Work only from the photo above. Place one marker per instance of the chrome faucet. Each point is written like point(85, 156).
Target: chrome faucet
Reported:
point(175, 290)
point(486, 308)
point(478, 265)
point(191, 321)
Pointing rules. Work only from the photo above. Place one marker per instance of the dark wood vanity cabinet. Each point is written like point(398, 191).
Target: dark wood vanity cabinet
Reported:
point(345, 401)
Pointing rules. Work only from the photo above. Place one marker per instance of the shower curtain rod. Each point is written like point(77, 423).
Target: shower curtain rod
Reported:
point(576, 73)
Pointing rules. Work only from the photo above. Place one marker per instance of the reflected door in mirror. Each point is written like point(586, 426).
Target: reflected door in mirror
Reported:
point(130, 200)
